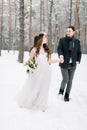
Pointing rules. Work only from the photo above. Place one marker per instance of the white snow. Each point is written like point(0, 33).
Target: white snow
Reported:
point(59, 115)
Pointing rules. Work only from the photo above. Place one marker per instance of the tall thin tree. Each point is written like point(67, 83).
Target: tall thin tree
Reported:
point(21, 31)
point(1, 28)
point(10, 26)
point(50, 24)
point(77, 22)
point(70, 21)
point(43, 8)
point(41, 18)
point(47, 14)
point(30, 23)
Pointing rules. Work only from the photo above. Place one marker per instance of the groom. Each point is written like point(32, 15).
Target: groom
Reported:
point(69, 52)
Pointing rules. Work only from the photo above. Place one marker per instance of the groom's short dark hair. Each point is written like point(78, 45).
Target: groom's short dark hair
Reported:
point(72, 27)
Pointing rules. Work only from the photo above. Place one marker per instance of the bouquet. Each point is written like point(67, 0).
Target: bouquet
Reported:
point(31, 66)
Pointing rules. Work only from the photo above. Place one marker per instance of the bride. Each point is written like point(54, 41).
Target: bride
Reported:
point(34, 94)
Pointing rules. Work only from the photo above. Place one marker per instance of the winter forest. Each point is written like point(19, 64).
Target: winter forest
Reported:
point(21, 20)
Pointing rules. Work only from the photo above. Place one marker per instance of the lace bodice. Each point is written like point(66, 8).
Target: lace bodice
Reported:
point(42, 57)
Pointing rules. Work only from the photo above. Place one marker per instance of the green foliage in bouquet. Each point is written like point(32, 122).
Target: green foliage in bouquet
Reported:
point(31, 66)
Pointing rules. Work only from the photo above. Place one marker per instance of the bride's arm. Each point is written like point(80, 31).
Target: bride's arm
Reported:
point(53, 60)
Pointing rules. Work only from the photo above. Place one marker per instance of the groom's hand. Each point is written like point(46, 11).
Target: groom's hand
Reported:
point(61, 59)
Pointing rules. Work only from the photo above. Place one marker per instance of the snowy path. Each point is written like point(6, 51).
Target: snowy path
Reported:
point(59, 115)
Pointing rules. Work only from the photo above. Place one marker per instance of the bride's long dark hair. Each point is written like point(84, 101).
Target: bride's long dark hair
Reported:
point(38, 39)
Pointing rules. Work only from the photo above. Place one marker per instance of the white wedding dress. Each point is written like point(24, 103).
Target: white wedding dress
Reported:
point(34, 94)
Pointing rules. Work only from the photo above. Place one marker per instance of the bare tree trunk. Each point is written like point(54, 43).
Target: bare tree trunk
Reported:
point(85, 38)
point(70, 21)
point(10, 26)
point(21, 32)
point(15, 35)
point(41, 15)
point(30, 21)
point(47, 15)
point(55, 30)
point(56, 34)
point(50, 26)
point(77, 22)
point(1, 27)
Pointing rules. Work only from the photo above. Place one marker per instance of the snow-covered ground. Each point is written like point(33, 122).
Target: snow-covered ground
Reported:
point(59, 115)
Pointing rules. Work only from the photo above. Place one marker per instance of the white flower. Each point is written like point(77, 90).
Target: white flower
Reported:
point(31, 66)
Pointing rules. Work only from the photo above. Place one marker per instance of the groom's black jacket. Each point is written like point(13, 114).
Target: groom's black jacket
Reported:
point(63, 49)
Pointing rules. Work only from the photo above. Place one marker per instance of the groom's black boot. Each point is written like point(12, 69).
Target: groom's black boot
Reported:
point(61, 91)
point(66, 97)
